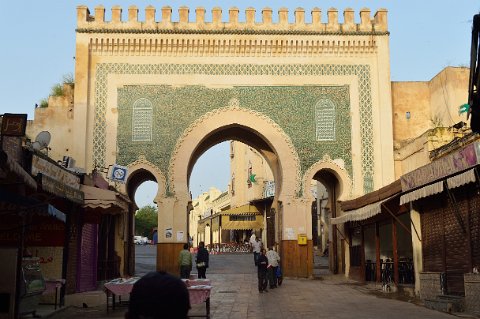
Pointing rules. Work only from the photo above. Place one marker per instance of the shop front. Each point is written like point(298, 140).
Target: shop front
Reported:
point(32, 235)
point(241, 221)
point(104, 233)
point(378, 232)
point(61, 188)
point(445, 195)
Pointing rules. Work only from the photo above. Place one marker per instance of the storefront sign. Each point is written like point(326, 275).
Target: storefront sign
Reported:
point(62, 190)
point(269, 189)
point(456, 162)
point(44, 167)
point(14, 124)
point(40, 231)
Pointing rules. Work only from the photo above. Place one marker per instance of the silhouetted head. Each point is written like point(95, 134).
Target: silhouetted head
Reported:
point(185, 246)
point(158, 295)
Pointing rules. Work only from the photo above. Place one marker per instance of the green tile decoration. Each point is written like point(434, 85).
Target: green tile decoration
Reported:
point(293, 108)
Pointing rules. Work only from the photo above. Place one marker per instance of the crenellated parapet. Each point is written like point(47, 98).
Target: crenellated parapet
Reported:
point(97, 23)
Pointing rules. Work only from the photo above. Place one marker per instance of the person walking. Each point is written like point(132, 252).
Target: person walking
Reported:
point(252, 239)
point(202, 260)
point(262, 264)
point(185, 262)
point(257, 247)
point(273, 259)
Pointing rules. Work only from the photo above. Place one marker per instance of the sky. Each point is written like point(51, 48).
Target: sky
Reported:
point(38, 49)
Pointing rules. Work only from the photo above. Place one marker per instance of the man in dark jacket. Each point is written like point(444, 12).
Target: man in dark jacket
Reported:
point(202, 260)
point(262, 264)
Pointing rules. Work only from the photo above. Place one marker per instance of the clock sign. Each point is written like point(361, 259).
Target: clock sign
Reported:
point(118, 173)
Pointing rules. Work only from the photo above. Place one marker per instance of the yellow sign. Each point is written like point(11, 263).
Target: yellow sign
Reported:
point(302, 239)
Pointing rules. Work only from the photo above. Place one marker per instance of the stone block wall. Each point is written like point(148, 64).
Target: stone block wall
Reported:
point(430, 285)
point(472, 293)
point(366, 24)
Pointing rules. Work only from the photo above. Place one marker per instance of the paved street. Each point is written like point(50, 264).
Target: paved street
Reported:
point(145, 259)
point(235, 295)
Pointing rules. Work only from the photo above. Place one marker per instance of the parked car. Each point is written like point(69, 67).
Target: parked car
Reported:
point(140, 240)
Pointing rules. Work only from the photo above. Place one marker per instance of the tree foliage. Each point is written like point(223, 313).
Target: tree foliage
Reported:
point(146, 219)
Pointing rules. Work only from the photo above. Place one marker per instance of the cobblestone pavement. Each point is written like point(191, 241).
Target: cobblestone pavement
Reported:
point(235, 295)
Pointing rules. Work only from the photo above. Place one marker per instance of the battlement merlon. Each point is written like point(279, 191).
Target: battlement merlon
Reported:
point(87, 22)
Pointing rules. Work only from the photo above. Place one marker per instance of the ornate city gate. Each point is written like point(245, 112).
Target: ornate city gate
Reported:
point(313, 98)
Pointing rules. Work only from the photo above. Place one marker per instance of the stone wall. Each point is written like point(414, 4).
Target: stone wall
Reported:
point(430, 285)
point(472, 293)
point(366, 25)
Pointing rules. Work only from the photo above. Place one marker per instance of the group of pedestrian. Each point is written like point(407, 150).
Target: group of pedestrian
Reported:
point(185, 260)
point(160, 295)
point(268, 267)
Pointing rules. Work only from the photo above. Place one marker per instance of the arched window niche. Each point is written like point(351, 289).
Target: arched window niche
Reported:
point(142, 120)
point(325, 120)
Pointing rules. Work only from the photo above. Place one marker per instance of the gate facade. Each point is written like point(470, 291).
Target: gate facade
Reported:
point(153, 95)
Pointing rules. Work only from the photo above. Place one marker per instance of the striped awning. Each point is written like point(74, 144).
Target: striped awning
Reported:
point(422, 192)
point(241, 210)
point(242, 225)
point(104, 199)
point(461, 179)
point(361, 213)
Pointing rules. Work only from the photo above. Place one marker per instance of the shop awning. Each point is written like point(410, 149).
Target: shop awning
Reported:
point(242, 225)
point(435, 188)
point(8, 164)
point(11, 203)
point(422, 192)
point(104, 199)
point(241, 210)
point(461, 179)
point(368, 205)
point(361, 213)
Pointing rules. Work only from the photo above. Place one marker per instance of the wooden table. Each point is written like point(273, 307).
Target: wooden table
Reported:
point(197, 282)
point(198, 291)
point(200, 294)
point(118, 287)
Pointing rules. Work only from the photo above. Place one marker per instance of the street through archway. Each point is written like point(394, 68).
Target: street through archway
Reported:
point(235, 294)
point(145, 259)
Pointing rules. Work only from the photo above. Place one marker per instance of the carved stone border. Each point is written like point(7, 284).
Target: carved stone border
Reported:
point(362, 71)
point(234, 107)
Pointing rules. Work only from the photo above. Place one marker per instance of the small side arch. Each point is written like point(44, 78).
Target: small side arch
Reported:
point(143, 170)
point(344, 180)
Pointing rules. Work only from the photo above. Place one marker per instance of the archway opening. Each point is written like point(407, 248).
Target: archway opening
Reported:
point(326, 188)
point(226, 218)
point(142, 188)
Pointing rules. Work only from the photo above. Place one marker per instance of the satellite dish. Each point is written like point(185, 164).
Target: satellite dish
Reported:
point(41, 141)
